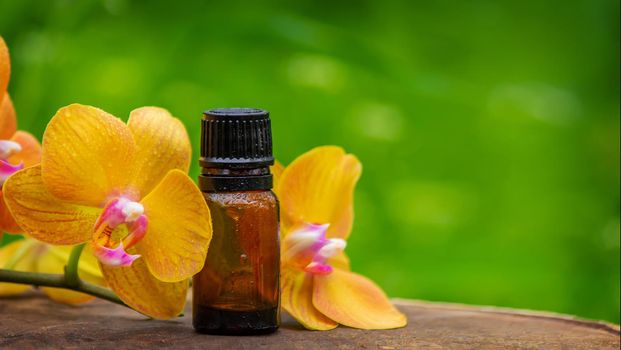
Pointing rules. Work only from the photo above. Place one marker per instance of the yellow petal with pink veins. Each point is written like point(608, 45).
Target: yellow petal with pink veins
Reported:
point(143, 292)
point(88, 155)
point(43, 216)
point(355, 301)
point(296, 298)
point(27, 263)
point(318, 187)
point(8, 122)
point(54, 259)
point(162, 145)
point(175, 245)
point(30, 153)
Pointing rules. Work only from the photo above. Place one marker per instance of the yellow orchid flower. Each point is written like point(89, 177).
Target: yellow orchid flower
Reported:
point(30, 255)
point(318, 288)
point(18, 149)
point(124, 189)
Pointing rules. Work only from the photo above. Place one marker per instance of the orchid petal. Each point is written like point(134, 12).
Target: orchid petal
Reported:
point(331, 247)
point(7, 169)
point(301, 246)
point(276, 171)
point(9, 148)
point(318, 187)
point(296, 298)
point(8, 122)
point(137, 230)
point(179, 232)
point(43, 216)
point(25, 264)
point(355, 301)
point(87, 155)
point(132, 211)
point(5, 68)
point(30, 153)
point(143, 292)
point(66, 296)
point(318, 268)
point(116, 211)
point(340, 261)
point(7, 223)
point(308, 248)
point(162, 145)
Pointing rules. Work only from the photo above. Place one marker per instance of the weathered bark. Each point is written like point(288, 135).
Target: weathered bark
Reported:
point(34, 322)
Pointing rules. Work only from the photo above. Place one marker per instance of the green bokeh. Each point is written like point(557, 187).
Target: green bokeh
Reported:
point(488, 130)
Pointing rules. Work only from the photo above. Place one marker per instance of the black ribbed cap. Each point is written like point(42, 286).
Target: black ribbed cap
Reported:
point(236, 137)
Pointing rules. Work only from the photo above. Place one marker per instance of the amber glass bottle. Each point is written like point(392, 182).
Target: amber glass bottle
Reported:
point(237, 292)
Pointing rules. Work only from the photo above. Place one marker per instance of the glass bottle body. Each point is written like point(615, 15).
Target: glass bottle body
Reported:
point(238, 290)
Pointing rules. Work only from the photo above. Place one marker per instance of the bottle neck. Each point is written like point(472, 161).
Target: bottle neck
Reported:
point(235, 179)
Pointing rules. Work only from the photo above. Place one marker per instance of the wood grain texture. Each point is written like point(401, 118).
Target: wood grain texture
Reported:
point(34, 322)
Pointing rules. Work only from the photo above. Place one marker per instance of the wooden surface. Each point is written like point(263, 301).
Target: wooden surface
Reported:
point(34, 322)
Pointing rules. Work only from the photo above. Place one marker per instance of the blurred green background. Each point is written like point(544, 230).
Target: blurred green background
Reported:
point(488, 130)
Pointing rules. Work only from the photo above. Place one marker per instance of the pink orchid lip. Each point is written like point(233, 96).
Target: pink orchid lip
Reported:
point(308, 248)
point(113, 256)
point(119, 211)
point(7, 169)
point(318, 268)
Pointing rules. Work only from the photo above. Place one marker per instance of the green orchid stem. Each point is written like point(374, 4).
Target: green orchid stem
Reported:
point(70, 280)
point(58, 281)
point(71, 270)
